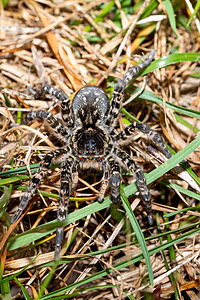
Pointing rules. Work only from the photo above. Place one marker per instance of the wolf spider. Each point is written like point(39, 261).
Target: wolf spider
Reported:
point(91, 142)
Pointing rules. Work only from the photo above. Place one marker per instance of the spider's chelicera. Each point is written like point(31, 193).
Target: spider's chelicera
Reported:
point(91, 142)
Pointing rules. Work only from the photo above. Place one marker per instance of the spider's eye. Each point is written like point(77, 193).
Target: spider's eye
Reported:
point(90, 146)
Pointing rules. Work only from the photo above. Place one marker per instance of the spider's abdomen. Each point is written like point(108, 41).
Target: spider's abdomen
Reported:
point(90, 106)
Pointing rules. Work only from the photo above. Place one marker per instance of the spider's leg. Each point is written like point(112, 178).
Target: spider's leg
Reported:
point(49, 118)
point(126, 160)
point(112, 176)
point(105, 181)
point(121, 85)
point(65, 191)
point(35, 181)
point(61, 96)
point(75, 174)
point(125, 136)
point(115, 180)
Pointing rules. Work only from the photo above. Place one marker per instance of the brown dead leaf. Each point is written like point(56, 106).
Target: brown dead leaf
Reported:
point(55, 46)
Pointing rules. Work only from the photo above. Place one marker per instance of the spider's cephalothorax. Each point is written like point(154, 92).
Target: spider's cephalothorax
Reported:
point(89, 109)
point(91, 142)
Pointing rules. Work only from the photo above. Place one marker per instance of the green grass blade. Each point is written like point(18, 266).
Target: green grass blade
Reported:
point(181, 190)
point(138, 233)
point(18, 273)
point(149, 96)
point(181, 211)
point(5, 197)
point(34, 234)
point(5, 290)
point(171, 15)
point(171, 276)
point(185, 123)
point(48, 279)
point(102, 14)
point(195, 75)
point(197, 6)
point(153, 4)
point(13, 179)
point(24, 291)
point(19, 170)
point(172, 255)
point(168, 165)
point(4, 3)
point(169, 60)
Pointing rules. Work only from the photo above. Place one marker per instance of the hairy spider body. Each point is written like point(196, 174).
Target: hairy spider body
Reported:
point(91, 143)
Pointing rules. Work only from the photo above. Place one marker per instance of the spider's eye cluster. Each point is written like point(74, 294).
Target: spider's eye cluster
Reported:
point(90, 147)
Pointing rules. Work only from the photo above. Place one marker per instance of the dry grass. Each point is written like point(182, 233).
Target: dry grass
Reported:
point(69, 44)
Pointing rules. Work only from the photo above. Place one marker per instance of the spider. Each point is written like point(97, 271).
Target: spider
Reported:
point(91, 142)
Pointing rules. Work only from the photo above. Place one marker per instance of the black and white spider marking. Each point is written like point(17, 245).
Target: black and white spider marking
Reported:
point(91, 143)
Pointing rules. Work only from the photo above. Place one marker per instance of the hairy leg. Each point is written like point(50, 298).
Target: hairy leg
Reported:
point(61, 96)
point(115, 180)
point(117, 95)
point(112, 176)
point(49, 118)
point(105, 181)
point(125, 136)
point(35, 181)
point(129, 163)
point(65, 191)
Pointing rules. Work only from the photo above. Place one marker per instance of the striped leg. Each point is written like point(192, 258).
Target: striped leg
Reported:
point(35, 181)
point(125, 136)
point(105, 181)
point(126, 160)
point(75, 174)
point(117, 95)
point(65, 191)
point(49, 118)
point(61, 96)
point(115, 180)
point(112, 176)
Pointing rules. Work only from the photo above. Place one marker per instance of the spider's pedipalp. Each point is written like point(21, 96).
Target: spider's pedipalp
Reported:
point(117, 95)
point(61, 96)
point(49, 118)
point(35, 181)
point(126, 160)
point(125, 136)
point(65, 191)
